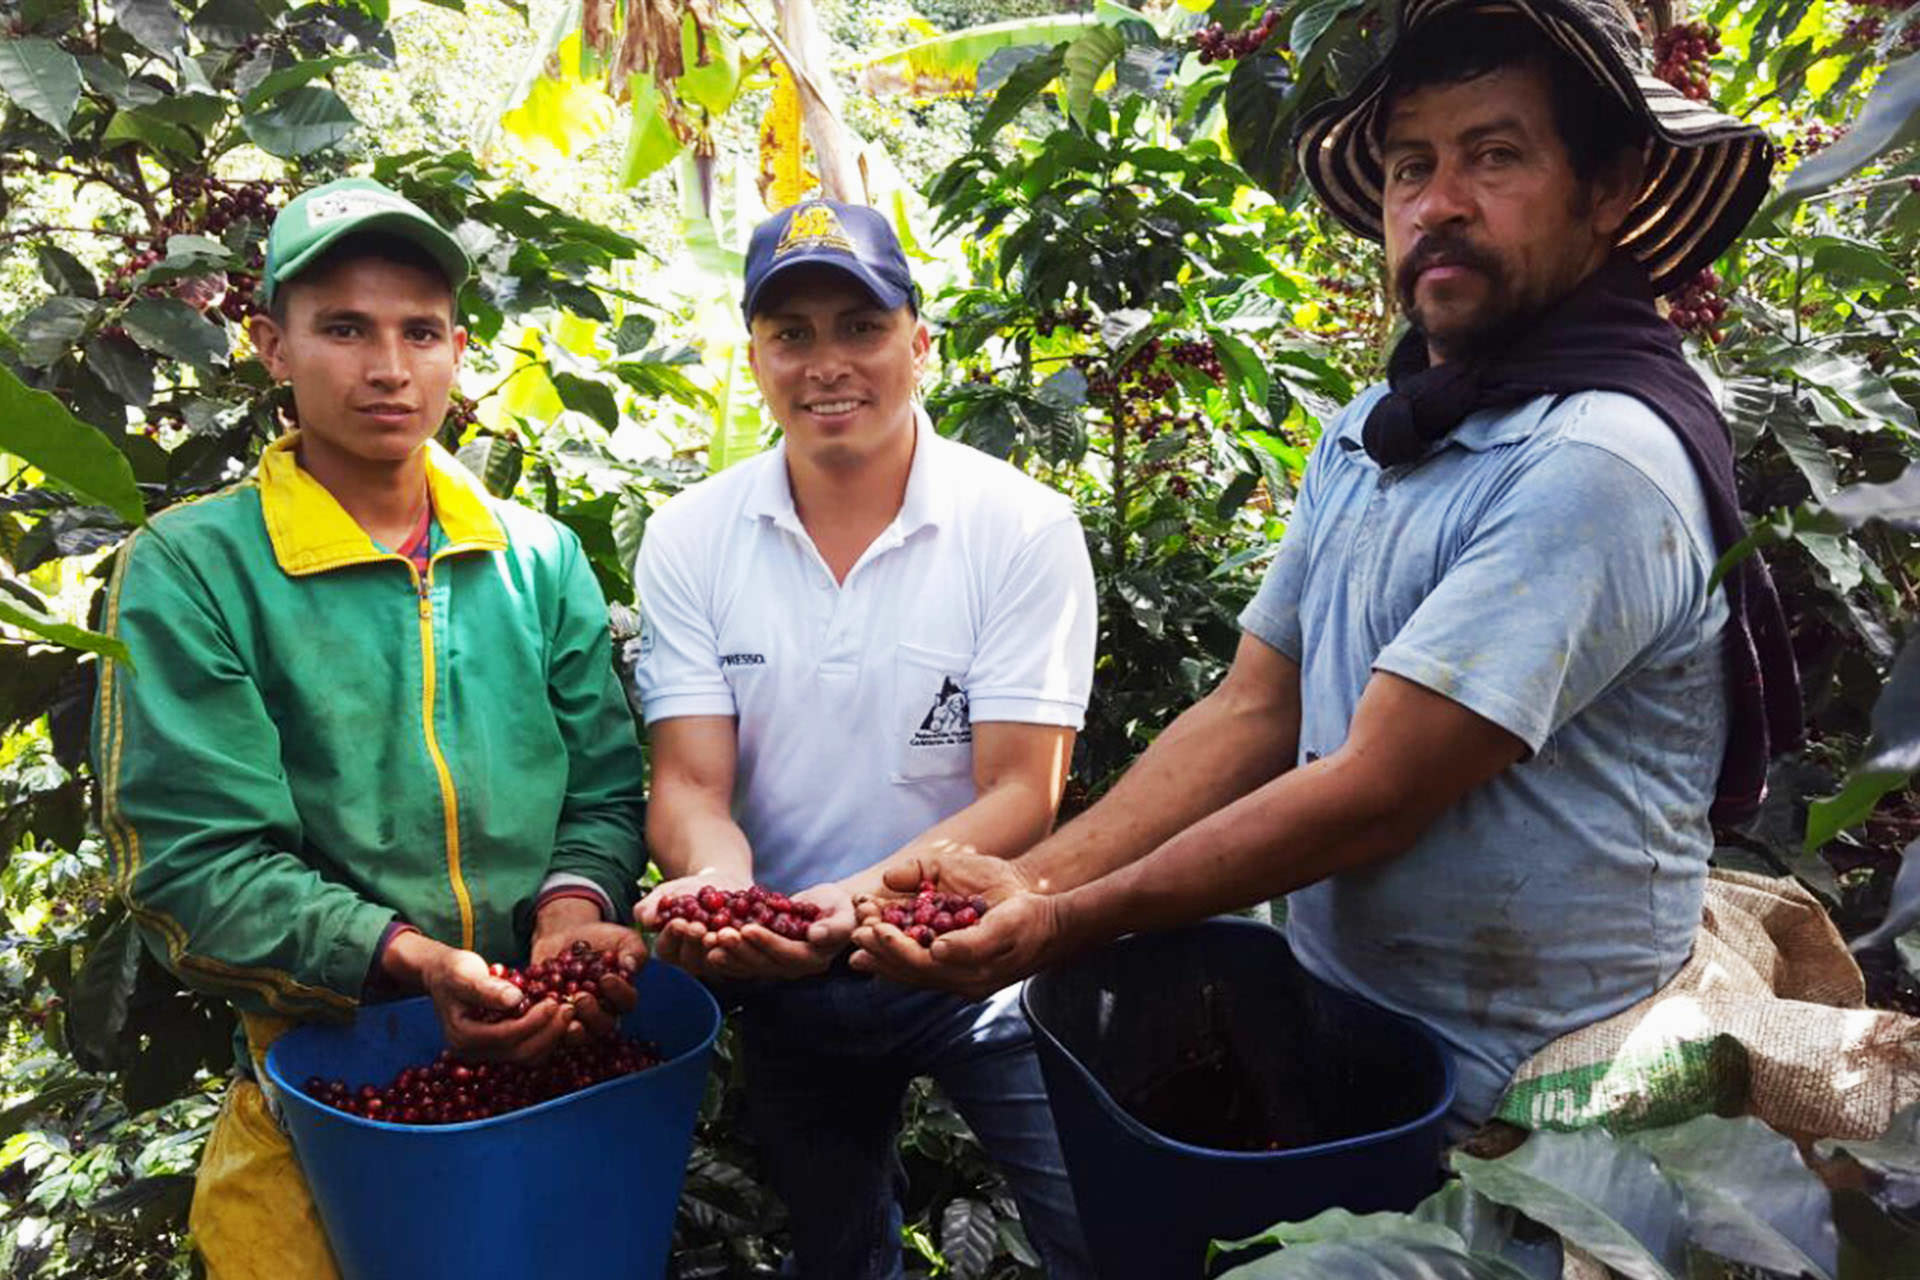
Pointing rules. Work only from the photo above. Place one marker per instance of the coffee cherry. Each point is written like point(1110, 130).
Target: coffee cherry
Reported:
point(449, 1091)
point(576, 971)
point(1680, 58)
point(714, 909)
point(931, 913)
point(1696, 307)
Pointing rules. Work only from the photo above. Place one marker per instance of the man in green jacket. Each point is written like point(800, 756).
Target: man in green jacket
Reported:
point(371, 737)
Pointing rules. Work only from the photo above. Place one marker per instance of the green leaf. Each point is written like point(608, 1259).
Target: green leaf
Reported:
point(1750, 1197)
point(1365, 1258)
point(1022, 87)
point(952, 62)
point(98, 1009)
point(39, 430)
point(1338, 1245)
point(1903, 905)
point(584, 395)
point(1598, 1192)
point(140, 127)
point(50, 330)
point(1890, 118)
point(1892, 753)
point(228, 24)
point(629, 524)
point(968, 1240)
point(52, 629)
point(278, 82)
point(1897, 501)
point(1837, 257)
point(1852, 385)
point(737, 420)
point(1895, 1153)
point(651, 142)
point(41, 78)
point(123, 367)
point(1313, 20)
point(1261, 108)
point(155, 24)
point(496, 460)
point(172, 328)
point(65, 273)
point(1086, 60)
point(56, 1094)
point(300, 122)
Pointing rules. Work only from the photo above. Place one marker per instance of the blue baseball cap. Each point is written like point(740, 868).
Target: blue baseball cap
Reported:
point(850, 238)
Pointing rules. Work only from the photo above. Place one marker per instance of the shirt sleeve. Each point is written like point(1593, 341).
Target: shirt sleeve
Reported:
point(1273, 615)
point(1576, 574)
point(199, 815)
point(1034, 661)
point(598, 838)
point(675, 660)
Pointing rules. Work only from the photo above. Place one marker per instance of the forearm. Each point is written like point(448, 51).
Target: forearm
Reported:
point(1217, 751)
point(691, 835)
point(1335, 815)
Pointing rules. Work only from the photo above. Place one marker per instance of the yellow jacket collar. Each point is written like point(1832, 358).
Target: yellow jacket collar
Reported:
point(312, 533)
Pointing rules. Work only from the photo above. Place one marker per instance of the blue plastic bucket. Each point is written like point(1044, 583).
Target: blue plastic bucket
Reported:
point(1214, 1033)
point(581, 1185)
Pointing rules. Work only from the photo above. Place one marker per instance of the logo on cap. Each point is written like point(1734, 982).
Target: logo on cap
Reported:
point(813, 226)
point(353, 204)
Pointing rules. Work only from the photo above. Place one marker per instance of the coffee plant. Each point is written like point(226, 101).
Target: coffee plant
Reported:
point(1142, 309)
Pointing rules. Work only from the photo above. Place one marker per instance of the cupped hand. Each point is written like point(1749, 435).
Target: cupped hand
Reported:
point(1019, 933)
point(753, 952)
point(682, 943)
point(556, 932)
point(464, 992)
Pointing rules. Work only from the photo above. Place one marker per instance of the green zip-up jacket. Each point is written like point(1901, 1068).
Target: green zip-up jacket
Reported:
point(315, 739)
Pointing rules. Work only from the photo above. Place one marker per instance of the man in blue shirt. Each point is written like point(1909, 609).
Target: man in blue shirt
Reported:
point(1482, 704)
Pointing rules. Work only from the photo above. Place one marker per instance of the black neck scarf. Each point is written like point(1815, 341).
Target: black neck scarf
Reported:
point(1607, 336)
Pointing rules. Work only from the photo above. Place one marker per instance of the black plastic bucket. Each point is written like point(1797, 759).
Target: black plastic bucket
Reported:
point(1205, 1086)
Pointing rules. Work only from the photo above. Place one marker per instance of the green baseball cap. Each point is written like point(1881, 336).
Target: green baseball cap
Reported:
point(314, 220)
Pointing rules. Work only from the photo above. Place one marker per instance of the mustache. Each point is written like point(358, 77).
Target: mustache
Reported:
point(1438, 249)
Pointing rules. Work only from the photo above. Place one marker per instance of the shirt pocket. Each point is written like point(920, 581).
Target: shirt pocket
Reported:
point(933, 727)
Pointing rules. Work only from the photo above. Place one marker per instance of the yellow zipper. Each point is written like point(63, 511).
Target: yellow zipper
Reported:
point(449, 802)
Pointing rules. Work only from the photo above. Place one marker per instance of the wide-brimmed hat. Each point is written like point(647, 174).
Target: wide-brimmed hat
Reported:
point(1706, 171)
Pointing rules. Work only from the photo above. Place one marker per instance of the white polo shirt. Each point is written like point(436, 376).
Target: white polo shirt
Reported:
point(855, 701)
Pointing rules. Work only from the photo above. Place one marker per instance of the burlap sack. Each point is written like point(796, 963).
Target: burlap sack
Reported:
point(1766, 1018)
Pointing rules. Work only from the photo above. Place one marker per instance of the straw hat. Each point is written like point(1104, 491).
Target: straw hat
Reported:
point(1706, 171)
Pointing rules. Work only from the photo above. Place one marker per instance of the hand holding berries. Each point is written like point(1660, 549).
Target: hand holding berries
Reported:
point(747, 932)
point(467, 995)
point(567, 928)
point(1018, 933)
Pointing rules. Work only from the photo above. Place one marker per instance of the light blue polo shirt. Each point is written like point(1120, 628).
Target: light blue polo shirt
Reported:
point(1546, 567)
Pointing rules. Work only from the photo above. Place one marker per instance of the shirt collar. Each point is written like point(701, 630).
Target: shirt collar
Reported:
point(1479, 431)
point(312, 533)
point(926, 501)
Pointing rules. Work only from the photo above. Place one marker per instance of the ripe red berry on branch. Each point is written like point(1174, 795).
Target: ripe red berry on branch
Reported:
point(1681, 55)
point(1696, 307)
point(1214, 43)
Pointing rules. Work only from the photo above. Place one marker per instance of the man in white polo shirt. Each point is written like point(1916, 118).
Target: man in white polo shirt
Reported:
point(870, 640)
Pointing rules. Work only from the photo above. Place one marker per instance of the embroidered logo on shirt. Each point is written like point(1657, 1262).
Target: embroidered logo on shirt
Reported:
point(743, 659)
point(947, 722)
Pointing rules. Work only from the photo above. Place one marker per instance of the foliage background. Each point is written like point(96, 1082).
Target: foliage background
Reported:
point(1134, 303)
